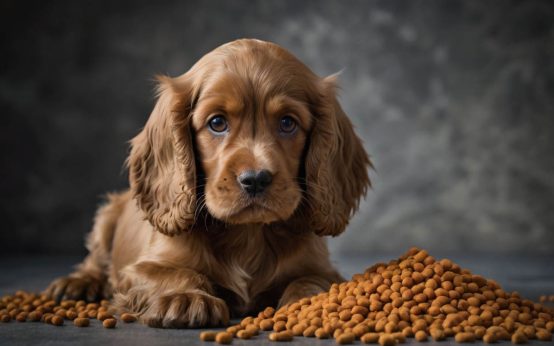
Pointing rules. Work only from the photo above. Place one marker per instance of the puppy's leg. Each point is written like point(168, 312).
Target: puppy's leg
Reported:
point(89, 280)
point(167, 296)
point(307, 286)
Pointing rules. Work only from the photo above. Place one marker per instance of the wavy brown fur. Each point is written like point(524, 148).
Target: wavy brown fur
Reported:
point(185, 247)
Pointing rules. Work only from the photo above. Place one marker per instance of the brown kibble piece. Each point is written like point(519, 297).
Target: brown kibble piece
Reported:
point(21, 317)
point(345, 338)
point(81, 322)
point(128, 318)
point(233, 329)
point(208, 335)
point(465, 337)
point(370, 338)
point(252, 329)
point(321, 333)
point(71, 315)
point(519, 338)
point(281, 336)
point(244, 334)
point(490, 338)
point(5, 318)
point(224, 338)
point(269, 312)
point(35, 316)
point(544, 335)
point(437, 334)
point(109, 323)
point(387, 340)
point(266, 324)
point(420, 336)
point(102, 315)
point(309, 332)
point(56, 320)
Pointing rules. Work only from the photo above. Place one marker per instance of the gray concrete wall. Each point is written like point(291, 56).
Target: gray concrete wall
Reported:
point(454, 101)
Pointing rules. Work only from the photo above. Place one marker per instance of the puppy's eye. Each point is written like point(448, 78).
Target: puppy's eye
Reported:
point(287, 124)
point(218, 124)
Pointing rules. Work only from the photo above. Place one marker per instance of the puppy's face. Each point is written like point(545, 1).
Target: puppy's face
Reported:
point(251, 123)
point(247, 108)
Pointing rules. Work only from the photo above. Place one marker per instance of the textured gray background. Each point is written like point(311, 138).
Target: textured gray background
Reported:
point(454, 100)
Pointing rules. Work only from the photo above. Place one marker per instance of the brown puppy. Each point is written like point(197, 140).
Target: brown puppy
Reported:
point(245, 162)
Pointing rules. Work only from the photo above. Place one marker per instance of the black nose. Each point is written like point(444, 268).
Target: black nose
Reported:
point(254, 182)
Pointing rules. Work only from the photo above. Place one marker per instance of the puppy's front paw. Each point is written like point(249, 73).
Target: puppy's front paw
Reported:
point(186, 310)
point(75, 288)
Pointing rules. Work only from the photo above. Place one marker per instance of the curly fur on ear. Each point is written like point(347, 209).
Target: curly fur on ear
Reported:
point(161, 163)
point(336, 166)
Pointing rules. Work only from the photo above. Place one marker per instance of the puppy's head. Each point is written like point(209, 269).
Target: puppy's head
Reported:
point(267, 134)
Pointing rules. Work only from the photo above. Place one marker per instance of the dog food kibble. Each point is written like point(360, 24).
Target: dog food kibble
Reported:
point(109, 323)
point(128, 318)
point(465, 337)
point(33, 307)
point(420, 336)
point(370, 338)
point(103, 315)
point(35, 316)
point(387, 340)
point(224, 338)
point(519, 338)
point(345, 338)
point(414, 296)
point(281, 336)
point(244, 334)
point(208, 335)
point(56, 320)
point(81, 322)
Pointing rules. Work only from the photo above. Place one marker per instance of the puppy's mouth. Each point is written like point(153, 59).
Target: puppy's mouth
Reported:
point(242, 208)
point(254, 210)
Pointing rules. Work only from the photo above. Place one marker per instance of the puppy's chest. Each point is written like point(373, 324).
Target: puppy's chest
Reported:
point(248, 268)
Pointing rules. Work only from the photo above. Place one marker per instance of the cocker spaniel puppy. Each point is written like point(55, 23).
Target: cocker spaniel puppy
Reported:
point(246, 161)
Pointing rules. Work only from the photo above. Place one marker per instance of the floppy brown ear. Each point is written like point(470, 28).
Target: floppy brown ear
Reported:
point(336, 166)
point(162, 170)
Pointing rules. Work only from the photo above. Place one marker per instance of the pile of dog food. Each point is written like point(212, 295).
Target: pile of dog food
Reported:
point(31, 307)
point(415, 296)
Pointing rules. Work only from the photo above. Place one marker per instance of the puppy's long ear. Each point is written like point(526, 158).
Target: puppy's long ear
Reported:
point(162, 170)
point(336, 166)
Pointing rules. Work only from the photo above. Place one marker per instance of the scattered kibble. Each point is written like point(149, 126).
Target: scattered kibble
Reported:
point(345, 338)
point(208, 335)
point(281, 336)
point(420, 336)
point(415, 296)
point(56, 320)
point(109, 323)
point(387, 340)
point(519, 338)
point(465, 337)
point(224, 338)
point(244, 334)
point(81, 322)
point(23, 306)
point(103, 315)
point(5, 318)
point(128, 318)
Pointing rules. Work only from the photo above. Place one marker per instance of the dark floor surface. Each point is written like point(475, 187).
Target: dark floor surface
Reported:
point(531, 276)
